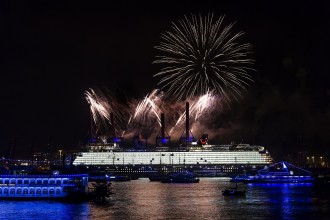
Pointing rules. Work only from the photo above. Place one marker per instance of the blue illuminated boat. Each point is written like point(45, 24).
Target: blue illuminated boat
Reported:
point(281, 172)
point(61, 186)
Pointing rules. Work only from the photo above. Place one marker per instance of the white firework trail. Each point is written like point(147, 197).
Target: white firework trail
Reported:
point(198, 108)
point(99, 108)
point(148, 105)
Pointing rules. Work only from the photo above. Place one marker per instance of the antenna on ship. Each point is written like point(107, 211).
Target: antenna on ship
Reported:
point(189, 138)
point(164, 139)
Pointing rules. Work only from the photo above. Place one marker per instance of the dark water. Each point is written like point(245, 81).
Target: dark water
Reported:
point(142, 199)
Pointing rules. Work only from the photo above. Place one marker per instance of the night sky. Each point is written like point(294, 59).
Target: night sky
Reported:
point(51, 52)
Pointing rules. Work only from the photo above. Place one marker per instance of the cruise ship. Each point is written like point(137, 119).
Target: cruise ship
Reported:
point(216, 159)
point(198, 156)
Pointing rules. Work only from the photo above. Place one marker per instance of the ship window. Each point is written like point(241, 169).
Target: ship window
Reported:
point(19, 181)
point(1, 181)
point(51, 181)
point(25, 181)
point(45, 181)
point(0, 190)
point(58, 191)
point(12, 191)
point(65, 181)
point(44, 191)
point(51, 191)
point(5, 191)
point(25, 191)
point(38, 191)
point(31, 191)
point(38, 181)
point(19, 191)
point(12, 181)
point(58, 182)
point(6, 181)
point(32, 181)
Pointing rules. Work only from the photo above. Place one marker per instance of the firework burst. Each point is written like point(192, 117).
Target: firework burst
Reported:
point(201, 54)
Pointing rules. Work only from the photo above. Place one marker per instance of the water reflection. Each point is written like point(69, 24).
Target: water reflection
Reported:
point(142, 199)
point(284, 201)
point(47, 210)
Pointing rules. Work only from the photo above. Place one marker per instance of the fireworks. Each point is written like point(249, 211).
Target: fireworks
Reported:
point(101, 106)
point(149, 105)
point(198, 107)
point(99, 109)
point(145, 113)
point(201, 55)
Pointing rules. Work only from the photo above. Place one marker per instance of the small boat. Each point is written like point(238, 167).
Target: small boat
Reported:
point(180, 177)
point(233, 192)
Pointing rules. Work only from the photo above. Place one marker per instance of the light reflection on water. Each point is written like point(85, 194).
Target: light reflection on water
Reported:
point(142, 199)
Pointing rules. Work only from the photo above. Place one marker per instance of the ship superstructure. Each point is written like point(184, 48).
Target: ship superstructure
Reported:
point(188, 154)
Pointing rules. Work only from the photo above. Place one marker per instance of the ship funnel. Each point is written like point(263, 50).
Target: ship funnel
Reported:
point(162, 140)
point(187, 121)
point(163, 124)
point(188, 138)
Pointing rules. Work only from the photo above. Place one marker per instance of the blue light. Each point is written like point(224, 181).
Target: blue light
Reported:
point(165, 140)
point(284, 166)
point(92, 140)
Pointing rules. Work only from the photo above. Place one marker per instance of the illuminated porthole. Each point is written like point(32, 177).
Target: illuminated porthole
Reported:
point(19, 191)
point(51, 191)
point(45, 191)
